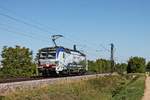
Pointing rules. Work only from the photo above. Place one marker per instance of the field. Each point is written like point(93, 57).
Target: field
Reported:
point(128, 87)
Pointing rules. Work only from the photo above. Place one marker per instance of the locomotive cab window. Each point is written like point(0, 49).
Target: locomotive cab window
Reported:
point(43, 55)
point(51, 55)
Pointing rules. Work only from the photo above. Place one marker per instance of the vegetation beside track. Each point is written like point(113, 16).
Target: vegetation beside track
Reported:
point(127, 87)
point(134, 90)
point(18, 62)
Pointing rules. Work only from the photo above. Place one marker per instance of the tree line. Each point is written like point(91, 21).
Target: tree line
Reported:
point(18, 62)
point(134, 65)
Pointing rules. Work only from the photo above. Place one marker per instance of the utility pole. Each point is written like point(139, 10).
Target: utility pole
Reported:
point(112, 57)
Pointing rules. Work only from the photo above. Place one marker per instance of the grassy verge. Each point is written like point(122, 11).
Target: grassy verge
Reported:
point(101, 88)
point(133, 90)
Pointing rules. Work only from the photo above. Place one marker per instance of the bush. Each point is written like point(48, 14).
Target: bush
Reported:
point(17, 62)
point(148, 66)
point(99, 66)
point(136, 65)
point(121, 68)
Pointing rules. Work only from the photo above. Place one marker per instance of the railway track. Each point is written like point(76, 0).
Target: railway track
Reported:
point(20, 79)
point(12, 85)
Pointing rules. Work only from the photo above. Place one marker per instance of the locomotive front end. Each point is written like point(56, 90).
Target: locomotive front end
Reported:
point(46, 61)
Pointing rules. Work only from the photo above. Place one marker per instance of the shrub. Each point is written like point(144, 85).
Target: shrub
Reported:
point(17, 61)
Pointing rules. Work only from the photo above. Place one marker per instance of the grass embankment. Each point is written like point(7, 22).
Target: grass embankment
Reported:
point(102, 88)
point(133, 90)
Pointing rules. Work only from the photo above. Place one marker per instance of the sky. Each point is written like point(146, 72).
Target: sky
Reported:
point(90, 24)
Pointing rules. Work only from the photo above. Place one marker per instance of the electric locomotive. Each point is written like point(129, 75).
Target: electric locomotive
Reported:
point(60, 60)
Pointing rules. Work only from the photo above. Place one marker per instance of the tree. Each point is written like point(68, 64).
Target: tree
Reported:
point(99, 66)
point(121, 67)
point(136, 65)
point(148, 66)
point(17, 61)
point(91, 66)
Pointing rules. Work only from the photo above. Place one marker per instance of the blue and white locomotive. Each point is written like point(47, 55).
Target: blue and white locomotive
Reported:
point(61, 60)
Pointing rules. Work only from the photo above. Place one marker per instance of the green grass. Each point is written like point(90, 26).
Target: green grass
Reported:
point(101, 88)
point(132, 91)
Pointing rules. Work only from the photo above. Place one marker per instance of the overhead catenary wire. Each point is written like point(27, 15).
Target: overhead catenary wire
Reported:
point(33, 25)
point(30, 20)
point(45, 30)
point(26, 23)
point(11, 27)
point(21, 21)
point(36, 26)
point(23, 34)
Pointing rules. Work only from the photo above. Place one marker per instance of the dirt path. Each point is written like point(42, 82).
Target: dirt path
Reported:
point(147, 89)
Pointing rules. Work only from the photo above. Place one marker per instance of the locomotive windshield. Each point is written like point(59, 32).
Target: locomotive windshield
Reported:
point(51, 55)
point(42, 55)
point(47, 55)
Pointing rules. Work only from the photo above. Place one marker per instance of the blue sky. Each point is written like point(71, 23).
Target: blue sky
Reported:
point(87, 23)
